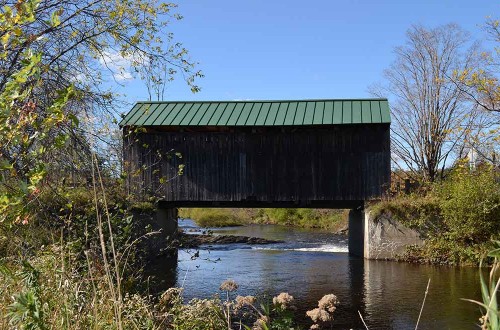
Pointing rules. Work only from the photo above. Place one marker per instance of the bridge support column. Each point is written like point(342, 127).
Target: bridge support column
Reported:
point(162, 220)
point(166, 220)
point(357, 232)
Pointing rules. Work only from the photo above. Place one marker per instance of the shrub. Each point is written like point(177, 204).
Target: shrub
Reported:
point(470, 205)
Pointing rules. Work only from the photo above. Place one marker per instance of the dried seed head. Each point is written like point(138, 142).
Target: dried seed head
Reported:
point(318, 314)
point(261, 323)
point(228, 285)
point(284, 300)
point(328, 303)
point(244, 301)
point(170, 297)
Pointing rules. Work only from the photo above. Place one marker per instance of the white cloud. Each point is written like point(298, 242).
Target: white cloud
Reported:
point(119, 65)
point(123, 75)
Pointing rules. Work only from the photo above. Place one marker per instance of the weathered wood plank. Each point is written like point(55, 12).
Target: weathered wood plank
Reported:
point(267, 164)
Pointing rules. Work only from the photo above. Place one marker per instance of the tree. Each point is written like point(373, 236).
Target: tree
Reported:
point(56, 59)
point(86, 44)
point(430, 113)
point(481, 82)
point(21, 127)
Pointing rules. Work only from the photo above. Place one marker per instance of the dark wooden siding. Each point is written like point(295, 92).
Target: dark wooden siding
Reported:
point(298, 165)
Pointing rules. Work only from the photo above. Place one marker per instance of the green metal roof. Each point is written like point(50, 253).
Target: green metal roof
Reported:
point(258, 113)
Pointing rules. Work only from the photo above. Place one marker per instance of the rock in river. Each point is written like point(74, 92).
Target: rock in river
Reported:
point(194, 240)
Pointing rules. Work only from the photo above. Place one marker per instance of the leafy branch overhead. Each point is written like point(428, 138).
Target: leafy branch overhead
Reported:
point(78, 38)
point(87, 45)
point(56, 58)
point(25, 132)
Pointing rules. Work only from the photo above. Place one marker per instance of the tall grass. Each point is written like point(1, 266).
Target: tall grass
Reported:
point(54, 288)
point(115, 290)
point(489, 291)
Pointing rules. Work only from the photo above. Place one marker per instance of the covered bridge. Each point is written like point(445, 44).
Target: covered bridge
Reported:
point(297, 153)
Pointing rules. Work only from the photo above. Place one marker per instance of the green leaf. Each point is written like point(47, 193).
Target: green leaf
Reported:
point(74, 119)
point(5, 165)
point(55, 20)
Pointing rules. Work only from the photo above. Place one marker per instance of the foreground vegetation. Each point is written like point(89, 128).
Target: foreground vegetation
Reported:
point(332, 220)
point(86, 273)
point(54, 291)
point(458, 217)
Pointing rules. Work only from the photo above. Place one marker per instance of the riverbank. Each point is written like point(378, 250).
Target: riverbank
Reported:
point(456, 217)
point(331, 220)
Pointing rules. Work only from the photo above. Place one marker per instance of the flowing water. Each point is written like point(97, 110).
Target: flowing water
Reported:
point(311, 263)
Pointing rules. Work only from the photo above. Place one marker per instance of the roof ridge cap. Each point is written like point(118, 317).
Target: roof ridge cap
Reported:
point(262, 101)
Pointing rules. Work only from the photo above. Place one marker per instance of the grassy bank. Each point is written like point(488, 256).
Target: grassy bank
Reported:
point(333, 220)
point(458, 217)
point(218, 217)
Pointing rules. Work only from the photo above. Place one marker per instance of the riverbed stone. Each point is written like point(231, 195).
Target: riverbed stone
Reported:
point(195, 240)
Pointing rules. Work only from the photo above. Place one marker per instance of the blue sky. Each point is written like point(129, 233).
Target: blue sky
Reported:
point(258, 49)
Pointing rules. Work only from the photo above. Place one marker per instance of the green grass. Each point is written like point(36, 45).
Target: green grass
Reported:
point(214, 217)
point(333, 220)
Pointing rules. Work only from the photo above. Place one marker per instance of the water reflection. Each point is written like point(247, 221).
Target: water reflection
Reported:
point(401, 288)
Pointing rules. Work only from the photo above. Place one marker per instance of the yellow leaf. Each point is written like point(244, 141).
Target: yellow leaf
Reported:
point(5, 39)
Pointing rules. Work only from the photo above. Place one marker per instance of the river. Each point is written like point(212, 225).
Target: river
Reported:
point(311, 263)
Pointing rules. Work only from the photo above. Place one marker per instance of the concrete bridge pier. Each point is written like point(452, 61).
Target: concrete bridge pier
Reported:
point(356, 242)
point(379, 236)
point(165, 219)
point(162, 221)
